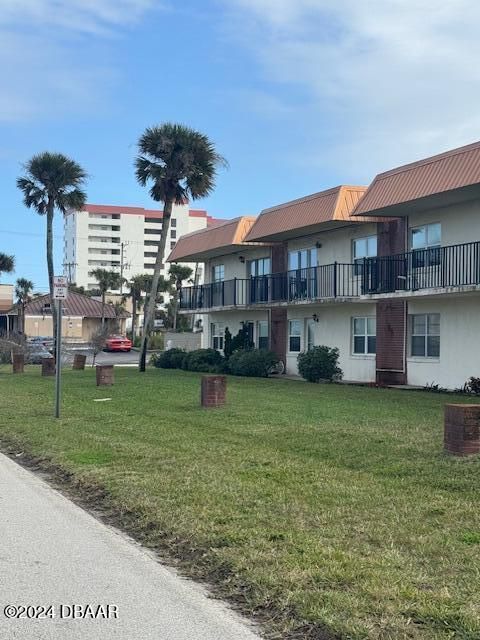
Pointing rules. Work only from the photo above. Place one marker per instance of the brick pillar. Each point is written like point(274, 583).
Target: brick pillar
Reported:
point(391, 362)
point(18, 362)
point(79, 360)
point(213, 391)
point(462, 429)
point(104, 374)
point(48, 367)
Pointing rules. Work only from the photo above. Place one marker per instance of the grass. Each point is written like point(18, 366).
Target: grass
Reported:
point(329, 510)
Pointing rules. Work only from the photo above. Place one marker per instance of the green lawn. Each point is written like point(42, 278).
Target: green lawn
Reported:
point(315, 506)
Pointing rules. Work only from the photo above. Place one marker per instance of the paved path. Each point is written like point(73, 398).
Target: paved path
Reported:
point(53, 552)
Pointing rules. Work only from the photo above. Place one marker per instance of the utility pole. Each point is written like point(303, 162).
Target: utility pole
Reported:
point(123, 264)
point(69, 266)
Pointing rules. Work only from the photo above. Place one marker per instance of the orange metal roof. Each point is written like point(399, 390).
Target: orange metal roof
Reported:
point(444, 172)
point(326, 206)
point(200, 244)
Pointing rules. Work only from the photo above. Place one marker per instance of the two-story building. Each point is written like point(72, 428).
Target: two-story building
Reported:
point(389, 274)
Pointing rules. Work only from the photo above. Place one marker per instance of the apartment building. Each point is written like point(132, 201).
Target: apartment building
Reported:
point(123, 239)
point(389, 274)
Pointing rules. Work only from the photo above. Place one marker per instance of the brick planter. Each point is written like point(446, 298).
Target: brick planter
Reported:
point(79, 361)
point(18, 362)
point(213, 391)
point(104, 375)
point(48, 367)
point(462, 429)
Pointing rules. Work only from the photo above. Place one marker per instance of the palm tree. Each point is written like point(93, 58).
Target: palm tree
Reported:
point(107, 280)
point(52, 181)
point(7, 263)
point(180, 164)
point(178, 273)
point(23, 290)
point(138, 284)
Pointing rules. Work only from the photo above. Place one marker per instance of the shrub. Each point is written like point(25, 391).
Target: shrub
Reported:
point(170, 359)
point(204, 360)
point(156, 341)
point(254, 363)
point(319, 363)
point(472, 385)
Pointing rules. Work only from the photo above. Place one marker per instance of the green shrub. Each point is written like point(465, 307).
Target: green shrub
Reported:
point(255, 363)
point(170, 359)
point(204, 360)
point(320, 363)
point(156, 341)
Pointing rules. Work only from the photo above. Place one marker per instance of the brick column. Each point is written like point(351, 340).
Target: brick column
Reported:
point(48, 366)
point(104, 374)
point(213, 391)
point(79, 360)
point(18, 361)
point(462, 429)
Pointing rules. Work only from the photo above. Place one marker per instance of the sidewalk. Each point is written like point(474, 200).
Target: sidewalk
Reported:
point(54, 553)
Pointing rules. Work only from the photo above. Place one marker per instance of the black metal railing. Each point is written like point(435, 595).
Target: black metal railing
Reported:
point(313, 283)
point(437, 267)
point(452, 266)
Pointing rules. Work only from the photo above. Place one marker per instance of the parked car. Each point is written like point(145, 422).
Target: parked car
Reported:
point(43, 340)
point(36, 353)
point(118, 343)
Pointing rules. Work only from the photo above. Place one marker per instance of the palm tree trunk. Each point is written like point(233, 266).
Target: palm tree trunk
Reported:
point(50, 210)
point(152, 300)
point(103, 310)
point(134, 316)
point(22, 323)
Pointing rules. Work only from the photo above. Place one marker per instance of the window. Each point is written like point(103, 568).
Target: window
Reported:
point(363, 248)
point(173, 222)
point(302, 259)
point(263, 334)
point(151, 243)
point(294, 335)
point(310, 333)
point(364, 331)
point(149, 254)
point(173, 233)
point(259, 267)
point(425, 335)
point(150, 232)
point(154, 220)
point(218, 273)
point(172, 245)
point(425, 242)
point(217, 335)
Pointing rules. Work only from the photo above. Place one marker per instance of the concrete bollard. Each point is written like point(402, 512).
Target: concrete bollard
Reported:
point(213, 391)
point(48, 366)
point(79, 360)
point(104, 375)
point(18, 362)
point(462, 429)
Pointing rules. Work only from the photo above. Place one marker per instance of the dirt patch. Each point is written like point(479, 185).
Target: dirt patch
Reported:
point(189, 560)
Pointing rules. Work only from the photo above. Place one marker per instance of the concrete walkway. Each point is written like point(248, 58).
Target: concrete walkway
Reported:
point(54, 553)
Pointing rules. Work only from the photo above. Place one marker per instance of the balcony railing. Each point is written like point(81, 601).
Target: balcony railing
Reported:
point(438, 267)
point(329, 281)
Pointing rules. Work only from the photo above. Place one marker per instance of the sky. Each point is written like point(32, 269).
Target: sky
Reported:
point(298, 95)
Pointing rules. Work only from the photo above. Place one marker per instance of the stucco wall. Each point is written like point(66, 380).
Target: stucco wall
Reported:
point(334, 329)
point(459, 343)
point(234, 267)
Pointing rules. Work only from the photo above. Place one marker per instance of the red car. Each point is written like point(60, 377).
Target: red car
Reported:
point(118, 343)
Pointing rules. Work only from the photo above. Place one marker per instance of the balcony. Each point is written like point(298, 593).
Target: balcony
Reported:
point(326, 282)
point(454, 266)
point(440, 268)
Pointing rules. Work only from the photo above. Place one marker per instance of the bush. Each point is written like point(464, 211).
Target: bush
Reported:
point(319, 363)
point(255, 363)
point(472, 386)
point(170, 359)
point(204, 360)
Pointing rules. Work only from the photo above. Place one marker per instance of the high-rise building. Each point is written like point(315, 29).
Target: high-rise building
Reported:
point(123, 239)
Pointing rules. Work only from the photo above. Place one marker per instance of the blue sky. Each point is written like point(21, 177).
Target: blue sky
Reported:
point(298, 96)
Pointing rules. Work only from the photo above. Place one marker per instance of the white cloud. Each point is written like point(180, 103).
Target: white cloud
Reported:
point(386, 81)
point(52, 54)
